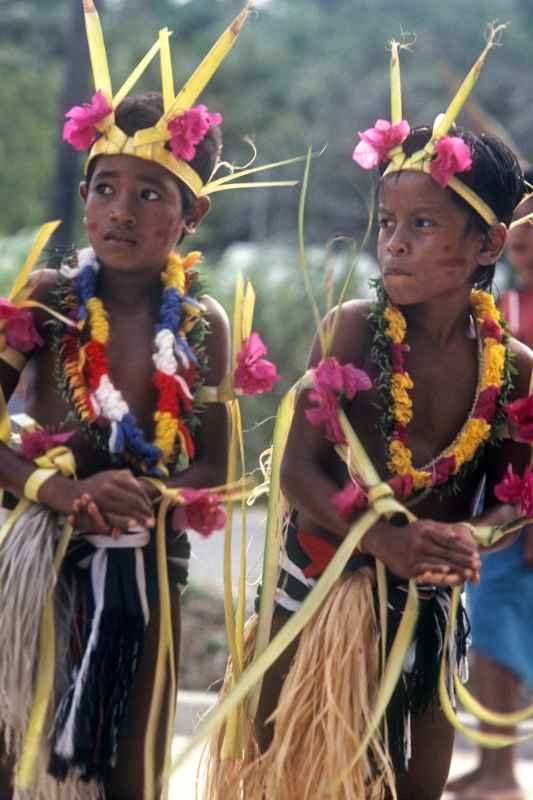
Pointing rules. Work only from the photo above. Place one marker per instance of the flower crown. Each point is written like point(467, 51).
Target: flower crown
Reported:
point(182, 125)
point(443, 156)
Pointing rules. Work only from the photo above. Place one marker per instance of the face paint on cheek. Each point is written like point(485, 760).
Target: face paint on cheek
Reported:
point(457, 263)
point(92, 228)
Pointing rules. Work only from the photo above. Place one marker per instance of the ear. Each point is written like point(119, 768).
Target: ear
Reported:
point(84, 189)
point(196, 214)
point(493, 244)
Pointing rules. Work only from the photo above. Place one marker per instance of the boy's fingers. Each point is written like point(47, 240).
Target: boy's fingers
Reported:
point(97, 517)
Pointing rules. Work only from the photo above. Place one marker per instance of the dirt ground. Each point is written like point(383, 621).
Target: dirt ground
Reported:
point(203, 640)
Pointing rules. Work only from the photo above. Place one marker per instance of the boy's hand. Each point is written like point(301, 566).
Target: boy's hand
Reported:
point(425, 547)
point(113, 501)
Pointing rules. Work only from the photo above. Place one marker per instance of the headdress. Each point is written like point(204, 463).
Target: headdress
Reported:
point(182, 124)
point(443, 156)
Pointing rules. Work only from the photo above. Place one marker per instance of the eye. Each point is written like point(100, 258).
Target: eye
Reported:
point(385, 223)
point(103, 188)
point(424, 222)
point(150, 194)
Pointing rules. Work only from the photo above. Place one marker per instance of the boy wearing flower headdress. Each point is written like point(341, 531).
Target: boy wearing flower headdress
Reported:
point(404, 416)
point(117, 391)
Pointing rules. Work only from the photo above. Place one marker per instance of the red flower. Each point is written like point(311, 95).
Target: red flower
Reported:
point(168, 393)
point(378, 141)
point(253, 374)
point(526, 498)
point(442, 469)
point(37, 443)
point(21, 333)
point(491, 330)
point(520, 416)
point(80, 131)
point(349, 500)
point(189, 129)
point(201, 512)
point(400, 433)
point(452, 155)
point(486, 404)
point(402, 486)
point(509, 490)
point(97, 362)
point(397, 351)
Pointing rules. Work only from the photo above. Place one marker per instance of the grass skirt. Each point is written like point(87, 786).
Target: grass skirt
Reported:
point(322, 714)
point(26, 570)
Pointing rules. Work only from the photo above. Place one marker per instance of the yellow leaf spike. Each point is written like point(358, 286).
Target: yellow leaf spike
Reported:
point(97, 51)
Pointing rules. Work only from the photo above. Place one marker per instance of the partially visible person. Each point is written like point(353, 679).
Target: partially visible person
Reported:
point(501, 604)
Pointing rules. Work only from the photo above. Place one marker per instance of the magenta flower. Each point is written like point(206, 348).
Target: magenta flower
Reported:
point(331, 382)
point(37, 443)
point(442, 469)
point(513, 489)
point(80, 131)
point(202, 511)
point(491, 330)
point(21, 333)
point(402, 486)
point(520, 415)
point(330, 376)
point(377, 142)
point(326, 414)
point(486, 404)
point(349, 500)
point(189, 129)
point(509, 490)
point(254, 374)
point(452, 155)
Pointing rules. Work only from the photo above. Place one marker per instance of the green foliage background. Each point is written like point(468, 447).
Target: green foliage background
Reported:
point(304, 73)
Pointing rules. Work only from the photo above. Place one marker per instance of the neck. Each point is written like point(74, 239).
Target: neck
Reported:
point(129, 289)
point(440, 320)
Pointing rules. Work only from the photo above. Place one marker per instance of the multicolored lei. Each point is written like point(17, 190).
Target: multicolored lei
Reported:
point(176, 376)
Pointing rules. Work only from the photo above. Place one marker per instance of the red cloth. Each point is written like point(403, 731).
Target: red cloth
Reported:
point(318, 550)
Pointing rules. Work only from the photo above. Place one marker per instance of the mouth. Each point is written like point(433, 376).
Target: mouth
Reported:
point(393, 272)
point(120, 239)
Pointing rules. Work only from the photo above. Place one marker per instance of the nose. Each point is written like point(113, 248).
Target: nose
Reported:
point(123, 211)
point(398, 243)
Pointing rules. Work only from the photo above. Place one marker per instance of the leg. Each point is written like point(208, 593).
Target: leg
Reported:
point(432, 745)
point(499, 690)
point(273, 682)
point(6, 774)
point(127, 779)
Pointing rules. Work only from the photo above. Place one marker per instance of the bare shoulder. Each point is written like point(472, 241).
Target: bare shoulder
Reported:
point(44, 283)
point(215, 314)
point(352, 332)
point(217, 340)
point(523, 368)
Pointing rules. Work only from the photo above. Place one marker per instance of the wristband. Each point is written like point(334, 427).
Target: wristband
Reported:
point(35, 481)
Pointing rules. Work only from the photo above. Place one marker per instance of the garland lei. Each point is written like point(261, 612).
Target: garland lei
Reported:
point(448, 470)
point(179, 365)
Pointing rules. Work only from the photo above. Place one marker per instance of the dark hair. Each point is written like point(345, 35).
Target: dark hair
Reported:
point(495, 175)
point(143, 111)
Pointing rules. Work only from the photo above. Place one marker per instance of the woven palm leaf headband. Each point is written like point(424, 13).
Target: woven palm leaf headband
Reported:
point(443, 156)
point(182, 125)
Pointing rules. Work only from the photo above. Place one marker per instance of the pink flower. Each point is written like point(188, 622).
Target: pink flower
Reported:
point(330, 376)
point(491, 330)
point(378, 141)
point(201, 512)
point(80, 130)
point(37, 443)
point(526, 498)
point(402, 486)
point(486, 404)
point(509, 490)
point(253, 374)
point(189, 129)
point(326, 414)
point(349, 500)
point(397, 350)
point(442, 469)
point(520, 416)
point(21, 333)
point(452, 155)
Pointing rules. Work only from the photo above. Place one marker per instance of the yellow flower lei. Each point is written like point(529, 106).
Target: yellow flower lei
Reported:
point(475, 431)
